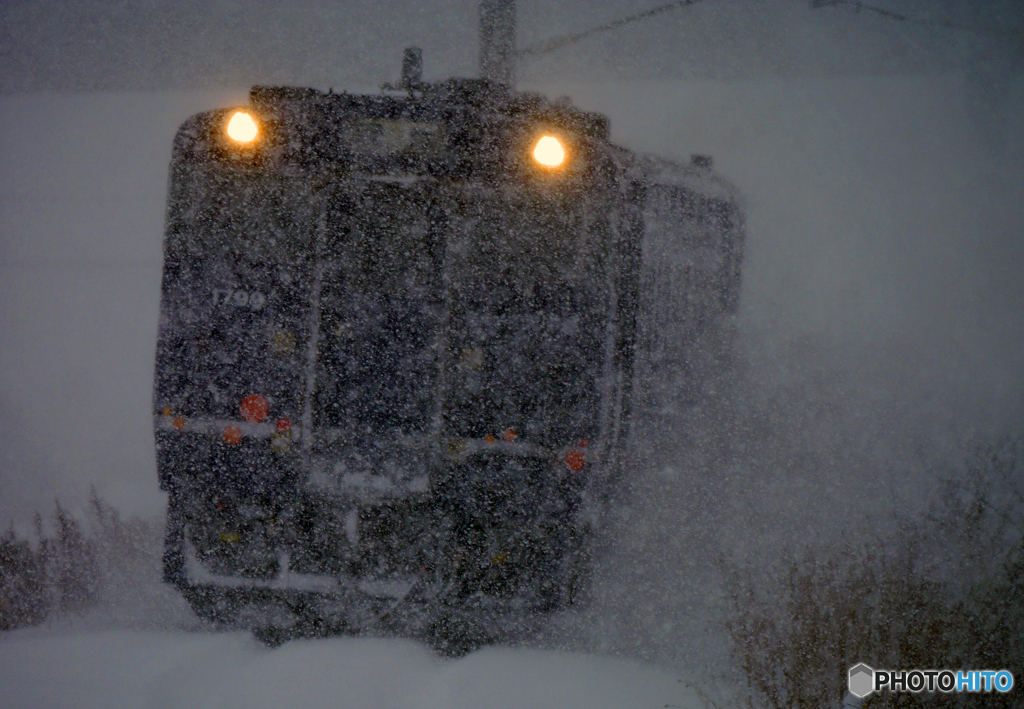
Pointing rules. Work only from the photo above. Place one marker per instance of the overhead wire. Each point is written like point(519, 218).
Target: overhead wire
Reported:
point(550, 45)
point(943, 23)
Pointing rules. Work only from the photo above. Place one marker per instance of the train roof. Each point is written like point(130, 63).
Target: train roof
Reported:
point(443, 100)
point(698, 176)
point(457, 98)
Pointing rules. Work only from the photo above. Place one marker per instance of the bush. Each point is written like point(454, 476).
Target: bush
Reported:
point(945, 592)
point(23, 596)
point(72, 569)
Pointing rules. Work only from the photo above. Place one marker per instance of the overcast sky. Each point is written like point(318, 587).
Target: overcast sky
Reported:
point(85, 45)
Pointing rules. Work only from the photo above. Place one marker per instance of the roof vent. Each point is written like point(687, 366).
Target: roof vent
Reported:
point(702, 161)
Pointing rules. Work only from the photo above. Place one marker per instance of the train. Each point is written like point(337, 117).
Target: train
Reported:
point(406, 344)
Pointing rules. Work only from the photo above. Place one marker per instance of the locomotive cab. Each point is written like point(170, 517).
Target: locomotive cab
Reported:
point(399, 347)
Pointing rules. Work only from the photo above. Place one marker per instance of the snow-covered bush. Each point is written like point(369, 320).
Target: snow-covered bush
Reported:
point(72, 565)
point(23, 596)
point(945, 592)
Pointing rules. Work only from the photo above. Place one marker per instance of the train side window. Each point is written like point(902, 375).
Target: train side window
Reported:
point(721, 216)
point(682, 218)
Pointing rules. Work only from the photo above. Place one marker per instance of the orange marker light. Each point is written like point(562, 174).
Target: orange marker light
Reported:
point(178, 422)
point(166, 411)
point(254, 408)
point(232, 435)
point(490, 438)
point(510, 435)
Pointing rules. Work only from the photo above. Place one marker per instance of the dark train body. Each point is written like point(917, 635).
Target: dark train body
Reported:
point(400, 360)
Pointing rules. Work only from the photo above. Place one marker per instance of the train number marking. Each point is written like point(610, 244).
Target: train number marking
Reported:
point(239, 298)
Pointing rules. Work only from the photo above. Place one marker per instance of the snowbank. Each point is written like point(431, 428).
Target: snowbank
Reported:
point(164, 670)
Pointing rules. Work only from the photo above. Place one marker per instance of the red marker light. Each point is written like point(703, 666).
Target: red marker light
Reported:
point(283, 426)
point(510, 435)
point(254, 408)
point(232, 435)
point(575, 460)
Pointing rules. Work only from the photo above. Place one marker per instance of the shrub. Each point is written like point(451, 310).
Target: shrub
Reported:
point(943, 592)
point(23, 596)
point(76, 566)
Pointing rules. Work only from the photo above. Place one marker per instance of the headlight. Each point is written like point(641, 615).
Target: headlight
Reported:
point(242, 128)
point(549, 151)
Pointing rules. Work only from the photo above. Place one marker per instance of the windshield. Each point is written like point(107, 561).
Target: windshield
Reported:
point(236, 289)
point(457, 311)
point(528, 317)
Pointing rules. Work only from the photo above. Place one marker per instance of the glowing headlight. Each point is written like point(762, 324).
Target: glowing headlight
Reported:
point(242, 127)
point(549, 152)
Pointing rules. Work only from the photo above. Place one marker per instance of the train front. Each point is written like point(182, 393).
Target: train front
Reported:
point(392, 361)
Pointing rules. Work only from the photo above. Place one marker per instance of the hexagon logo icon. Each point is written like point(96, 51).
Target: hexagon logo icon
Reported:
point(862, 680)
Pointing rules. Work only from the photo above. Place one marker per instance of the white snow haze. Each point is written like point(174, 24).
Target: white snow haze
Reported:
point(880, 329)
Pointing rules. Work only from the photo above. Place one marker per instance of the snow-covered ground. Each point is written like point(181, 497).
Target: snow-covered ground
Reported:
point(180, 670)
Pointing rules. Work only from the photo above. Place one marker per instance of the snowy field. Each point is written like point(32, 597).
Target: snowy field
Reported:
point(167, 670)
